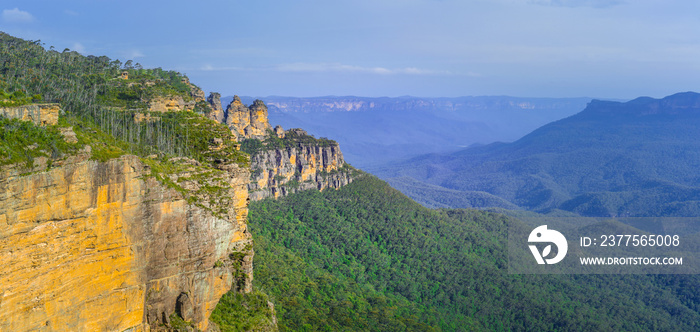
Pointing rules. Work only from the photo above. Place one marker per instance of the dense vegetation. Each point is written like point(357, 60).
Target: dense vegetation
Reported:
point(638, 158)
point(360, 258)
point(244, 312)
point(109, 111)
point(293, 138)
point(23, 141)
point(365, 257)
point(16, 98)
point(434, 197)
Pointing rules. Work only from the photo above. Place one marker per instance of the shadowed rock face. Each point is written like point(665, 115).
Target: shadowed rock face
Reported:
point(93, 246)
point(217, 112)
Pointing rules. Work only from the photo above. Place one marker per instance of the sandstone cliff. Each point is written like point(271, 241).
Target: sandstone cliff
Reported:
point(170, 103)
point(292, 161)
point(93, 238)
point(132, 243)
point(247, 122)
point(41, 114)
point(196, 93)
point(217, 112)
point(282, 162)
point(91, 246)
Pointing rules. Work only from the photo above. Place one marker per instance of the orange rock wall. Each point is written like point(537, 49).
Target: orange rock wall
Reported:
point(247, 122)
point(304, 166)
point(170, 104)
point(41, 114)
point(96, 246)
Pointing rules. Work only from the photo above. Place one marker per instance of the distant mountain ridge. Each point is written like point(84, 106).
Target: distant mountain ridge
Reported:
point(638, 158)
point(405, 103)
point(376, 131)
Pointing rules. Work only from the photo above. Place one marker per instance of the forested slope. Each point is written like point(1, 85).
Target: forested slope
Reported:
point(365, 257)
point(188, 237)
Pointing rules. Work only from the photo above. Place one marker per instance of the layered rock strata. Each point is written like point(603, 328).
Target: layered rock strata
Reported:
point(92, 246)
point(247, 122)
point(282, 171)
point(170, 104)
point(174, 103)
point(300, 163)
point(217, 112)
point(40, 114)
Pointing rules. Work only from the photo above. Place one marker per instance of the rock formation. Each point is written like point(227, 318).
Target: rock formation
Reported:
point(40, 114)
point(279, 131)
point(247, 122)
point(282, 171)
point(175, 102)
point(196, 93)
point(286, 161)
point(217, 112)
point(92, 246)
point(170, 104)
point(119, 246)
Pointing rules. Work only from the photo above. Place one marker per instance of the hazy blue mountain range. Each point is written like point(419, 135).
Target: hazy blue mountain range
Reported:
point(376, 131)
point(639, 158)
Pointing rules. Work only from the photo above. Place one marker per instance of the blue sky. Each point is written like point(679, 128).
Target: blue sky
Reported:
point(430, 48)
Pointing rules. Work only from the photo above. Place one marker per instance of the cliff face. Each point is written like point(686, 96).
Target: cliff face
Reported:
point(41, 114)
point(283, 162)
point(93, 246)
point(196, 93)
point(283, 171)
point(175, 102)
point(247, 122)
point(217, 112)
point(169, 104)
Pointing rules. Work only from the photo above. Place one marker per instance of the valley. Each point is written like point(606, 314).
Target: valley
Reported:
point(612, 159)
point(132, 201)
point(378, 131)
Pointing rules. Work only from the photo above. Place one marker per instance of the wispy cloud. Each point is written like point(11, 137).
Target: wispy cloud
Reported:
point(78, 47)
point(225, 52)
point(338, 67)
point(208, 67)
point(133, 54)
point(16, 16)
point(303, 67)
point(579, 3)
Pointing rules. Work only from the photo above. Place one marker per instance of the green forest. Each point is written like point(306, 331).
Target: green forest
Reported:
point(103, 107)
point(367, 258)
point(361, 258)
